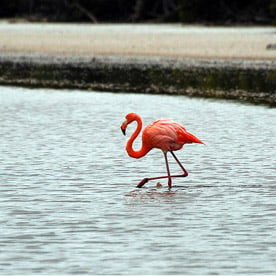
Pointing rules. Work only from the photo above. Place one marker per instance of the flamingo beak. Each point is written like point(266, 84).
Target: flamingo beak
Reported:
point(123, 130)
point(124, 126)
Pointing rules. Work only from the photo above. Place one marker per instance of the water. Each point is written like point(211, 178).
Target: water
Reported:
point(68, 199)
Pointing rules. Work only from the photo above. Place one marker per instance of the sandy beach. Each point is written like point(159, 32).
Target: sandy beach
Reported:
point(164, 40)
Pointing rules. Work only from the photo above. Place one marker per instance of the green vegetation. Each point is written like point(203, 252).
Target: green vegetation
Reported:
point(187, 11)
point(273, 11)
point(226, 12)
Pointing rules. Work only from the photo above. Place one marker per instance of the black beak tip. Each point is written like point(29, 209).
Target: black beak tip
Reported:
point(124, 131)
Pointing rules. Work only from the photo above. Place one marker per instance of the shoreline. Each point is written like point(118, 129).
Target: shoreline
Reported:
point(242, 80)
point(217, 62)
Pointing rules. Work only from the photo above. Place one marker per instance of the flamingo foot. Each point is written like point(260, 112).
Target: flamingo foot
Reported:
point(142, 183)
point(158, 185)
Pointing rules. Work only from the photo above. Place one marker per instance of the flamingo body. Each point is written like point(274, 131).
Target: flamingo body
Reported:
point(164, 134)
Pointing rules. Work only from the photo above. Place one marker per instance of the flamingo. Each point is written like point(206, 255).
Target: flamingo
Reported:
point(163, 134)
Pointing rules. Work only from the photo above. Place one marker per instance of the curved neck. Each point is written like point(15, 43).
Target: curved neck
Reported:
point(129, 146)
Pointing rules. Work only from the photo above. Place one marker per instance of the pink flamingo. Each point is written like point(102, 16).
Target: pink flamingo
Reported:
point(166, 135)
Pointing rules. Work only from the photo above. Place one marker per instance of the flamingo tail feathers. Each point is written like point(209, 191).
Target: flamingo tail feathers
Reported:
point(190, 138)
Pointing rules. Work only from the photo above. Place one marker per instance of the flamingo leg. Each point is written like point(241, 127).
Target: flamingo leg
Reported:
point(185, 173)
point(168, 171)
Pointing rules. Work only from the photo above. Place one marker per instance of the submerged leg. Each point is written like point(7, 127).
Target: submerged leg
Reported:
point(185, 173)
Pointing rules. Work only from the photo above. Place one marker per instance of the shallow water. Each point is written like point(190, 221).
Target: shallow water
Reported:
point(68, 198)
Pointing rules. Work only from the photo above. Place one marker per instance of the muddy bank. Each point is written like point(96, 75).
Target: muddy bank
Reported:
point(245, 80)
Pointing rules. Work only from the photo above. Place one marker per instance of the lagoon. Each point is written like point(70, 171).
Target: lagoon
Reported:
point(69, 202)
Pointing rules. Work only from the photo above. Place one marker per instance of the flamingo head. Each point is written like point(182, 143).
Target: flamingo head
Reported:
point(129, 119)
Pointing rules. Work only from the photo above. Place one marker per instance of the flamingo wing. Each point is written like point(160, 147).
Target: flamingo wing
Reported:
point(161, 134)
point(167, 135)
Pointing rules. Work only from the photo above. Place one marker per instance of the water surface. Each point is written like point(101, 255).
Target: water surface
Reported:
point(68, 198)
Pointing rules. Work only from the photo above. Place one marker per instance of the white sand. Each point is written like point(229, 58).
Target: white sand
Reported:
point(171, 40)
